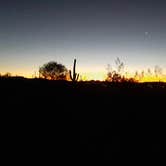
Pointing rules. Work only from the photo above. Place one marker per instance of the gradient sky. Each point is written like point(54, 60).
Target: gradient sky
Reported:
point(95, 32)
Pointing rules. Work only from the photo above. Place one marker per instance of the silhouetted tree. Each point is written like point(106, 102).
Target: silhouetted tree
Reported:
point(53, 71)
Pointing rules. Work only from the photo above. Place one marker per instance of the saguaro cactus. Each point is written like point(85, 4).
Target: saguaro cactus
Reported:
point(75, 76)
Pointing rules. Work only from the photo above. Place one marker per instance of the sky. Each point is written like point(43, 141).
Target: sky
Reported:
point(95, 32)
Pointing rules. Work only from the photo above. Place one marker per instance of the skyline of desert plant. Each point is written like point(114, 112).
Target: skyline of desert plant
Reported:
point(116, 72)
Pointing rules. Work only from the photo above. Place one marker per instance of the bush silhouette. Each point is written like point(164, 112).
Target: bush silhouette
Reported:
point(53, 71)
point(117, 74)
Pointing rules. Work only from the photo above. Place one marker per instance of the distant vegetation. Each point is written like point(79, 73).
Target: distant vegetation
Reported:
point(117, 75)
point(57, 71)
point(120, 75)
point(155, 74)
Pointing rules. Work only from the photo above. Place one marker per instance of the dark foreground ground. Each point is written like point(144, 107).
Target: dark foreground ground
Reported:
point(88, 122)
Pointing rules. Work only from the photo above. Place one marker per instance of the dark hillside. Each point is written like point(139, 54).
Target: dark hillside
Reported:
point(83, 121)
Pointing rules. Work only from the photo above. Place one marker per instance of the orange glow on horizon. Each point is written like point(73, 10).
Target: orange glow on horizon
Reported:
point(100, 76)
point(96, 76)
point(153, 79)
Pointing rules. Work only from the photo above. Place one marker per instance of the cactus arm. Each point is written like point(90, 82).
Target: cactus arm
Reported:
point(77, 77)
point(70, 75)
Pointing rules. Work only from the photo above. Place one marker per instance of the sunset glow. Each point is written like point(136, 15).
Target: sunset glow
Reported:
point(93, 76)
point(96, 76)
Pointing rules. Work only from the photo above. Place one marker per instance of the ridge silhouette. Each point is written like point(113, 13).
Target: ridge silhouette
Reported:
point(90, 121)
